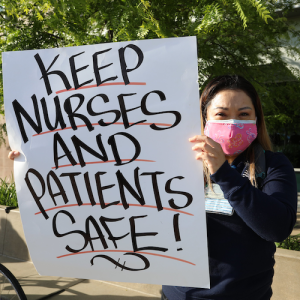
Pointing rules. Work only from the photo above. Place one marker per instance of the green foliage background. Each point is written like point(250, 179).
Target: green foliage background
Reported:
point(8, 194)
point(233, 36)
point(290, 243)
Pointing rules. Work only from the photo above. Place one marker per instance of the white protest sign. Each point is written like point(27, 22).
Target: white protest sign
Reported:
point(107, 183)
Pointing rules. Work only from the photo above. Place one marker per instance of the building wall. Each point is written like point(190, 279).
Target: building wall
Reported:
point(6, 165)
point(294, 20)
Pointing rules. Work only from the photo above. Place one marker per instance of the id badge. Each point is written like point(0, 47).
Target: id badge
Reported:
point(215, 201)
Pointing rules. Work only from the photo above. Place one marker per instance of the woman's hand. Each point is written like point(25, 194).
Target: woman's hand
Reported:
point(13, 154)
point(209, 151)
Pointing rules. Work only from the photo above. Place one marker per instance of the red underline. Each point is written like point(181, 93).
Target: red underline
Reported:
point(103, 84)
point(139, 205)
point(140, 252)
point(101, 162)
point(95, 124)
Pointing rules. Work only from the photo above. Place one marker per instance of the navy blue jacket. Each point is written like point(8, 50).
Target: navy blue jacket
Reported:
point(241, 247)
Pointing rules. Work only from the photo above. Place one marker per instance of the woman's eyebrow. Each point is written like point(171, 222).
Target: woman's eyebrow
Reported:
point(225, 108)
point(246, 107)
point(220, 107)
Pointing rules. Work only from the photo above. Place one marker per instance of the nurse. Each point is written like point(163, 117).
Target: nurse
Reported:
point(255, 192)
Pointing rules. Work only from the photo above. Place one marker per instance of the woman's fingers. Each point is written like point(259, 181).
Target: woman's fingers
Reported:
point(205, 147)
point(209, 151)
point(194, 138)
point(197, 138)
point(204, 139)
point(13, 154)
point(203, 155)
point(207, 144)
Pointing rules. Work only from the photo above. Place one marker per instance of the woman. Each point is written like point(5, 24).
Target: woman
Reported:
point(258, 185)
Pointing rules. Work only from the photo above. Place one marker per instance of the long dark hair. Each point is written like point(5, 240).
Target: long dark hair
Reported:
point(237, 83)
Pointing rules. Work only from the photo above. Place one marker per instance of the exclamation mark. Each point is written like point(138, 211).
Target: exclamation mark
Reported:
point(176, 229)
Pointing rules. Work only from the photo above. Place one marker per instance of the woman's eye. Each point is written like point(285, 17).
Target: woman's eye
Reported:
point(244, 114)
point(220, 114)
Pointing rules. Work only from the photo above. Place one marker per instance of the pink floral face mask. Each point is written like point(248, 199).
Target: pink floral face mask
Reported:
point(234, 136)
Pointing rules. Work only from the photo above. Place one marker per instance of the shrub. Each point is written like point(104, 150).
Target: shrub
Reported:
point(291, 243)
point(8, 195)
point(291, 151)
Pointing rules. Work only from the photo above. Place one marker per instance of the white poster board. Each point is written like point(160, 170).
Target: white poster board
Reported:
point(107, 183)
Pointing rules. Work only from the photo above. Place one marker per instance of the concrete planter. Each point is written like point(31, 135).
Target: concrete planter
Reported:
point(287, 269)
point(287, 274)
point(12, 239)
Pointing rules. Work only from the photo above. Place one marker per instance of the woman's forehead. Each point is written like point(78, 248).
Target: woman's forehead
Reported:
point(231, 98)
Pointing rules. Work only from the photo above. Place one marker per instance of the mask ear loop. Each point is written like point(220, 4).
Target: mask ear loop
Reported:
point(204, 125)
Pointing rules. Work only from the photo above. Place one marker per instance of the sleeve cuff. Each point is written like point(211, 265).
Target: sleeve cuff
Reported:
point(228, 179)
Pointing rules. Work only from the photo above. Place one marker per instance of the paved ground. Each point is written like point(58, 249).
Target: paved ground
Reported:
point(38, 287)
point(297, 226)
